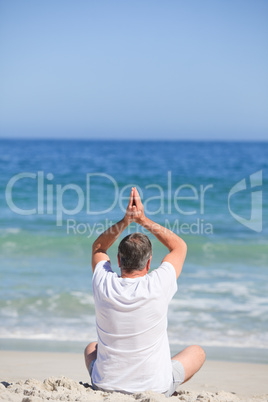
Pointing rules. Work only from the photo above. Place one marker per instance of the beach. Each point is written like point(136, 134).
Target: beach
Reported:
point(99, 98)
point(39, 376)
point(46, 234)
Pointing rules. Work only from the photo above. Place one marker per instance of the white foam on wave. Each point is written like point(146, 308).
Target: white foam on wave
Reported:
point(215, 273)
point(223, 287)
point(8, 246)
point(60, 333)
point(252, 307)
point(213, 336)
point(13, 230)
point(9, 312)
point(83, 298)
point(175, 338)
point(227, 314)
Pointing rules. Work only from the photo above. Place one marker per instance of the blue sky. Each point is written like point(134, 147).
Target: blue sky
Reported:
point(184, 69)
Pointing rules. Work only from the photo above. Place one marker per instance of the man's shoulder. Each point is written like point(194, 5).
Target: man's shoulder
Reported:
point(165, 266)
point(164, 271)
point(102, 267)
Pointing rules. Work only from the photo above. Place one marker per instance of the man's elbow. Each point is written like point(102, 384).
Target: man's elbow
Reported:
point(95, 247)
point(181, 244)
point(184, 246)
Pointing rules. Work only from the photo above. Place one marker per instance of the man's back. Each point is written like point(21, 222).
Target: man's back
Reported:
point(131, 316)
point(132, 352)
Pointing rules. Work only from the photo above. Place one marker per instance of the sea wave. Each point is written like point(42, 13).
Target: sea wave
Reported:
point(178, 335)
point(206, 320)
point(45, 275)
point(235, 253)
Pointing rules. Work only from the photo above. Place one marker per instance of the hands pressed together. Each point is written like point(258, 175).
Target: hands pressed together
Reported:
point(134, 212)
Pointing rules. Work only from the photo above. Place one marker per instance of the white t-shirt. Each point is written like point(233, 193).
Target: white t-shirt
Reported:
point(131, 320)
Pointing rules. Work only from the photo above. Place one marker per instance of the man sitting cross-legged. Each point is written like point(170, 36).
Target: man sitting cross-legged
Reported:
point(132, 353)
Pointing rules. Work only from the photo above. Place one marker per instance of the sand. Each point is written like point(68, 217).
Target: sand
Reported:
point(37, 376)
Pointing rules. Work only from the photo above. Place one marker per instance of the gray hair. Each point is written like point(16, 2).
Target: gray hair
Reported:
point(134, 252)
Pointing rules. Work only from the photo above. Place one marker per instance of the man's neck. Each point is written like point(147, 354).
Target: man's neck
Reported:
point(133, 274)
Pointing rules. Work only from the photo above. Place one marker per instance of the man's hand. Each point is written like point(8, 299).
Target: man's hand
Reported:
point(107, 238)
point(139, 214)
point(134, 210)
point(177, 247)
point(129, 211)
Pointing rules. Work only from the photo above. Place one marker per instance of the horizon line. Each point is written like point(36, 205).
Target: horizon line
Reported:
point(132, 140)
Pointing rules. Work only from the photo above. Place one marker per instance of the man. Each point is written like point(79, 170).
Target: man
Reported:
point(132, 353)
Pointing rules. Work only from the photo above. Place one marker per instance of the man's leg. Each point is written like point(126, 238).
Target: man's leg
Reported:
point(90, 353)
point(192, 358)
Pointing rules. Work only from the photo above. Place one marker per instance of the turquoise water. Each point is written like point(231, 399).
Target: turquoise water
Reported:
point(67, 192)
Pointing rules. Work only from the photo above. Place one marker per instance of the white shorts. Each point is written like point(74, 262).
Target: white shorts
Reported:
point(178, 377)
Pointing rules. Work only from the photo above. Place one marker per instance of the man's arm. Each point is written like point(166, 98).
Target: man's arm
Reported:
point(177, 246)
point(107, 238)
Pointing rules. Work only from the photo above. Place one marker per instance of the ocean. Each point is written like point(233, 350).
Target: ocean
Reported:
point(57, 196)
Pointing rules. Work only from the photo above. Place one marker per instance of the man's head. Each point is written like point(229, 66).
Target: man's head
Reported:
point(134, 252)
